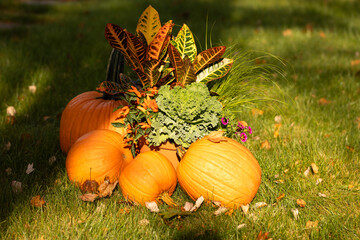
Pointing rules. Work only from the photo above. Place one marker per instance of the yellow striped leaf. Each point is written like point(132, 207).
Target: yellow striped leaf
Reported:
point(149, 24)
point(215, 71)
point(185, 43)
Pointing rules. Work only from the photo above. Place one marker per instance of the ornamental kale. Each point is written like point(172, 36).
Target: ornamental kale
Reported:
point(185, 114)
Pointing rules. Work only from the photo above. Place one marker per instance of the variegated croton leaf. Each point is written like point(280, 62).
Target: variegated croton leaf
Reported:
point(208, 57)
point(148, 24)
point(184, 71)
point(215, 71)
point(185, 43)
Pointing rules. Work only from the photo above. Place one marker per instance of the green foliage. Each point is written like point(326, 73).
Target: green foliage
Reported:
point(185, 114)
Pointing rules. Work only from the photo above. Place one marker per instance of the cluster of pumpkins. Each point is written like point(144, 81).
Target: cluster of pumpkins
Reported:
point(216, 167)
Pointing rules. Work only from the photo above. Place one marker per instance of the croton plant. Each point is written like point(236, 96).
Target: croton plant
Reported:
point(170, 99)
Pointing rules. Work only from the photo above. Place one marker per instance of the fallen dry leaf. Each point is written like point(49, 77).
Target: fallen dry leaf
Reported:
point(277, 127)
point(7, 146)
point(307, 172)
point(277, 119)
point(245, 208)
point(350, 148)
point(30, 168)
point(89, 186)
point(152, 206)
point(16, 186)
point(265, 145)
point(216, 136)
point(318, 181)
point(355, 62)
point(240, 226)
point(32, 89)
point(262, 236)
point(106, 189)
point(220, 211)
point(279, 181)
point(281, 196)
point(10, 111)
point(322, 195)
point(311, 224)
point(324, 101)
point(89, 197)
point(314, 168)
point(198, 203)
point(37, 201)
point(144, 222)
point(287, 33)
point(52, 160)
point(188, 206)
point(322, 34)
point(295, 213)
point(257, 112)
point(8, 171)
point(260, 204)
point(301, 202)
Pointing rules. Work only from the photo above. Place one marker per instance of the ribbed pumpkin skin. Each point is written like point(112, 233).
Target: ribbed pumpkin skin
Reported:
point(148, 176)
point(84, 113)
point(224, 171)
point(97, 154)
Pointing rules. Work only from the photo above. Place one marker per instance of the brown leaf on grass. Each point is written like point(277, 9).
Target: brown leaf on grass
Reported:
point(216, 136)
point(311, 224)
point(355, 62)
point(37, 201)
point(265, 145)
point(350, 148)
point(287, 33)
point(281, 196)
point(314, 168)
point(10, 111)
point(108, 190)
point(257, 112)
point(322, 34)
point(301, 202)
point(89, 186)
point(277, 127)
point(324, 101)
point(32, 89)
point(89, 197)
point(262, 236)
point(245, 208)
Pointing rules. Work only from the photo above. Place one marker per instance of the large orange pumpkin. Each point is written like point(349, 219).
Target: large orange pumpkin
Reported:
point(149, 177)
point(221, 170)
point(97, 154)
point(86, 112)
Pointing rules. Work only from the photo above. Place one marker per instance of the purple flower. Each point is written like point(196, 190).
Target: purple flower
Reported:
point(224, 121)
point(240, 126)
point(250, 130)
point(243, 137)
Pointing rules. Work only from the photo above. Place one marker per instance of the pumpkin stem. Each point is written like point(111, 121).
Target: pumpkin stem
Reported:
point(165, 197)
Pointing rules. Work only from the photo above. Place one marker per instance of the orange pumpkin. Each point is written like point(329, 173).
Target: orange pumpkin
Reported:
point(149, 177)
point(219, 169)
point(97, 154)
point(86, 112)
point(167, 149)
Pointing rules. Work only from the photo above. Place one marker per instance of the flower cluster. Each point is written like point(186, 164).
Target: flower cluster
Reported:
point(240, 131)
point(137, 115)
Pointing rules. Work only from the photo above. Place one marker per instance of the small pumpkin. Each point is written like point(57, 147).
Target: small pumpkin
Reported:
point(94, 109)
point(219, 169)
point(97, 154)
point(149, 177)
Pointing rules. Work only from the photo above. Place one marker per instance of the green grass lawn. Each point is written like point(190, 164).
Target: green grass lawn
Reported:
point(61, 49)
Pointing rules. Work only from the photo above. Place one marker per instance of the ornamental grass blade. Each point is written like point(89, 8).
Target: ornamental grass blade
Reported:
point(118, 38)
point(149, 24)
point(185, 43)
point(215, 71)
point(158, 45)
point(208, 57)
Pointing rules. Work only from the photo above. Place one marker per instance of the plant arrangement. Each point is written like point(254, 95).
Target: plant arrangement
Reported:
point(170, 103)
